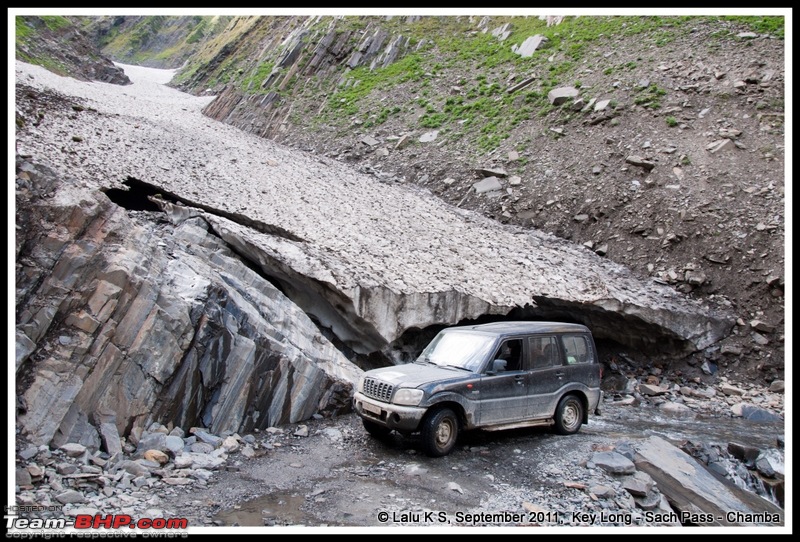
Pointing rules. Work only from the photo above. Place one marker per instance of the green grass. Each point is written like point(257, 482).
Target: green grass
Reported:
point(252, 83)
point(27, 31)
point(773, 25)
point(650, 96)
point(23, 30)
point(363, 82)
point(382, 116)
point(671, 122)
point(55, 23)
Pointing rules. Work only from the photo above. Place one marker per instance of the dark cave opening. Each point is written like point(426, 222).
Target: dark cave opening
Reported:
point(136, 197)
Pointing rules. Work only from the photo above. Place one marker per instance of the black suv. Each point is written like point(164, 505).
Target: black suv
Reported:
point(492, 376)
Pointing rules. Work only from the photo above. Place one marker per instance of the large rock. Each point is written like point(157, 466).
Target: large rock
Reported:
point(639, 484)
point(529, 46)
point(613, 463)
point(691, 489)
point(487, 185)
point(562, 95)
point(677, 409)
point(110, 438)
point(189, 335)
point(650, 389)
point(756, 414)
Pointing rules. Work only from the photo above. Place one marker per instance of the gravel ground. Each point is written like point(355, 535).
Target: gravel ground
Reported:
point(338, 476)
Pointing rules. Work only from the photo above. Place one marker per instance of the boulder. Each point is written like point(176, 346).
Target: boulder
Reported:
point(613, 463)
point(562, 95)
point(691, 489)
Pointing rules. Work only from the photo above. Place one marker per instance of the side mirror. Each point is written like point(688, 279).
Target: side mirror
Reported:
point(498, 366)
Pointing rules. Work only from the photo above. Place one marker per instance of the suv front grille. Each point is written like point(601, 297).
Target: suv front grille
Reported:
point(378, 390)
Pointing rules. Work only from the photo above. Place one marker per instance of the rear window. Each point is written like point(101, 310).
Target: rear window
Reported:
point(544, 352)
point(577, 349)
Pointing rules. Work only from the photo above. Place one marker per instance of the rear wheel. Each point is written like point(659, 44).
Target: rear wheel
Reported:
point(440, 432)
point(377, 431)
point(569, 415)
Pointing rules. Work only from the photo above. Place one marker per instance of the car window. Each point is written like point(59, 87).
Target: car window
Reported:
point(577, 349)
point(511, 352)
point(544, 352)
point(458, 349)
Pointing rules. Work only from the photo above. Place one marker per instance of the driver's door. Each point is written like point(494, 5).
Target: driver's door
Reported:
point(504, 395)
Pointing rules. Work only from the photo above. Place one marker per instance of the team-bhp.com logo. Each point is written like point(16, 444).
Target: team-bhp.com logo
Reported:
point(87, 522)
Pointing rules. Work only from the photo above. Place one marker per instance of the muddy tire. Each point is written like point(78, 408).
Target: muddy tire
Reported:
point(377, 431)
point(569, 415)
point(439, 432)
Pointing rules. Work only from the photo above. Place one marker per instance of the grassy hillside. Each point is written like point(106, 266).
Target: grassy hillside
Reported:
point(29, 33)
point(155, 41)
point(440, 50)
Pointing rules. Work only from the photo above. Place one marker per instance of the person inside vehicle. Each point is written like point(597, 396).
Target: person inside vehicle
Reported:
point(510, 352)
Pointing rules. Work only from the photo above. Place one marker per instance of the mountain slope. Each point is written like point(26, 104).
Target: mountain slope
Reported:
point(670, 159)
point(667, 155)
point(55, 43)
point(154, 41)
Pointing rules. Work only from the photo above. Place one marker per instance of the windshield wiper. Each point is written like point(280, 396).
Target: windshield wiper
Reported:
point(457, 367)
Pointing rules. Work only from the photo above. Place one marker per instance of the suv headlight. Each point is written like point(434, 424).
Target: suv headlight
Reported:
point(407, 396)
point(361, 384)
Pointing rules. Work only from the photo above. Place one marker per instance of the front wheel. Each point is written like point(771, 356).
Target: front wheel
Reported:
point(440, 432)
point(376, 430)
point(569, 415)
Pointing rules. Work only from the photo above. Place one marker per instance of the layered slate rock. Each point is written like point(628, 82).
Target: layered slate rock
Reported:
point(699, 497)
point(127, 320)
point(368, 260)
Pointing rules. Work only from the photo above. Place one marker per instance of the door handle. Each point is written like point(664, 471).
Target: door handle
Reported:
point(520, 379)
point(560, 375)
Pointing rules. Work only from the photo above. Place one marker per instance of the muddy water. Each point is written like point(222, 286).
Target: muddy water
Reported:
point(267, 509)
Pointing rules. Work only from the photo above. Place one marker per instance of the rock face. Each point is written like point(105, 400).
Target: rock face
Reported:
point(142, 40)
point(125, 319)
point(297, 47)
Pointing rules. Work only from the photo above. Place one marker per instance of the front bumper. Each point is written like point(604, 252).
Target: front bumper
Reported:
point(401, 418)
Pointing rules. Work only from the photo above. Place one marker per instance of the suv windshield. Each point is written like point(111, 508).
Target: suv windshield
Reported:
point(458, 349)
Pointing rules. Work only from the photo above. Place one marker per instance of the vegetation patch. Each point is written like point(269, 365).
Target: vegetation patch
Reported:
point(650, 96)
point(773, 25)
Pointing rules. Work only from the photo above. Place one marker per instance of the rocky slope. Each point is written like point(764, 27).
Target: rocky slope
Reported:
point(181, 283)
point(666, 153)
point(59, 45)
